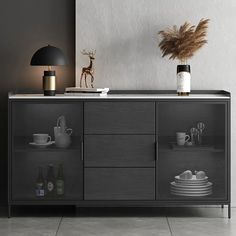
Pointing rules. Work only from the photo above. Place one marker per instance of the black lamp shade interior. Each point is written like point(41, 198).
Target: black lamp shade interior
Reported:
point(48, 56)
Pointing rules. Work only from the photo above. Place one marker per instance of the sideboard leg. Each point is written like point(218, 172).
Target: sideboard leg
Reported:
point(229, 211)
point(222, 206)
point(9, 211)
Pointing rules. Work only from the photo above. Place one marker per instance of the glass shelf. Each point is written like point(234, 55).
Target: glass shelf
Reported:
point(203, 148)
point(21, 144)
point(211, 144)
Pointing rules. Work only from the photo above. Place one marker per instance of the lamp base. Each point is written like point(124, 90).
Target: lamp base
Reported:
point(49, 92)
point(49, 83)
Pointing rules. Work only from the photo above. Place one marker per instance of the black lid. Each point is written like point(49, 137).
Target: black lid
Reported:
point(183, 68)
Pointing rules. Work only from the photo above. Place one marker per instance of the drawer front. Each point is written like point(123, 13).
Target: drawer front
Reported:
point(119, 118)
point(119, 184)
point(119, 150)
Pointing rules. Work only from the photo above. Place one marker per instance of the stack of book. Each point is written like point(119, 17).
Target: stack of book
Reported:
point(86, 91)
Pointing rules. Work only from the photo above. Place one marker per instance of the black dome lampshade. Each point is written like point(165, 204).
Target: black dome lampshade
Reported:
point(49, 56)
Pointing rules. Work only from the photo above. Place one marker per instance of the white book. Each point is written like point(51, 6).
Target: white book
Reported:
point(85, 94)
point(86, 90)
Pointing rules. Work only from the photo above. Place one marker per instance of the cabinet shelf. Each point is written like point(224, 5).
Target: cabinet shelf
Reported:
point(210, 144)
point(202, 148)
point(21, 144)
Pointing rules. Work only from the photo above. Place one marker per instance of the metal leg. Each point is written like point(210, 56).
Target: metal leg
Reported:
point(9, 211)
point(222, 206)
point(229, 211)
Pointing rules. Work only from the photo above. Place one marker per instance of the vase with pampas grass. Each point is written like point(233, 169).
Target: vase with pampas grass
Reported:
point(181, 44)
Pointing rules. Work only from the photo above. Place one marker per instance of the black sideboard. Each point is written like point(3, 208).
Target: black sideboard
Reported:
point(123, 150)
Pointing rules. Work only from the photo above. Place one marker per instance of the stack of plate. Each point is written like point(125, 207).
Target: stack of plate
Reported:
point(191, 187)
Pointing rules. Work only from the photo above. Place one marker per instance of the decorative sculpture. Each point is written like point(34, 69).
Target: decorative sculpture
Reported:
point(88, 71)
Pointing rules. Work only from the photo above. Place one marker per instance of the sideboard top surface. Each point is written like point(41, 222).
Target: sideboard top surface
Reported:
point(130, 94)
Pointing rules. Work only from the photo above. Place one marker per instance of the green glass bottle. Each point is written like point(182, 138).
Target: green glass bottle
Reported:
point(60, 182)
point(40, 184)
point(50, 181)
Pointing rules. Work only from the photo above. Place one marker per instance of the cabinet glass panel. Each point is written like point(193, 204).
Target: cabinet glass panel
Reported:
point(43, 167)
point(192, 158)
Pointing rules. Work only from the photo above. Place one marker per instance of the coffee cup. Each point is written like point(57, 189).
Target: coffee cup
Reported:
point(41, 138)
point(182, 138)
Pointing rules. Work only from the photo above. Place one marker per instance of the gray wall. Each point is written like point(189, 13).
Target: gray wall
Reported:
point(27, 25)
point(124, 33)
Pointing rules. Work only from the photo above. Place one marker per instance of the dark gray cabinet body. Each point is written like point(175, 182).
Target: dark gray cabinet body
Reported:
point(121, 152)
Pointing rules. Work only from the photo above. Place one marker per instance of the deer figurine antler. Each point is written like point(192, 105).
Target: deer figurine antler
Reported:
point(89, 70)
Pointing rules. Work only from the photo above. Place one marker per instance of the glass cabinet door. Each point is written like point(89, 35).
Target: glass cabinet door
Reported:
point(46, 150)
point(192, 157)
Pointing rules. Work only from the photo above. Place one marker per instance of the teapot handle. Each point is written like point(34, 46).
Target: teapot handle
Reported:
point(69, 131)
point(58, 121)
point(61, 122)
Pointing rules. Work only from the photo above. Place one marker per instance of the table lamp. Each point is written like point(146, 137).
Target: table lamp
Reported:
point(49, 56)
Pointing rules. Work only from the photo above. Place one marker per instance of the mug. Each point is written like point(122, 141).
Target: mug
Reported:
point(41, 138)
point(182, 138)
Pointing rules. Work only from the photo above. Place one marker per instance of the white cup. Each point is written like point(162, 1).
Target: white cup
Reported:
point(41, 138)
point(182, 138)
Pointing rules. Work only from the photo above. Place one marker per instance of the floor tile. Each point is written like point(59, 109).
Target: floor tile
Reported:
point(29, 226)
point(114, 226)
point(202, 227)
point(202, 222)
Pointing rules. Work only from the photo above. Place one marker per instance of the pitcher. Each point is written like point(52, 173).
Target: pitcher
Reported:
point(62, 133)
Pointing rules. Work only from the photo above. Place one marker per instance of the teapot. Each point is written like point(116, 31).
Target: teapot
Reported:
point(62, 133)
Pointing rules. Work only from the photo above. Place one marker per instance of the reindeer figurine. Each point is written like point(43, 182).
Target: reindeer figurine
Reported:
point(88, 71)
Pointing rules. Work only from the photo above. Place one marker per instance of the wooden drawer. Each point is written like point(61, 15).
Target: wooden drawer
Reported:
point(119, 150)
point(119, 117)
point(119, 184)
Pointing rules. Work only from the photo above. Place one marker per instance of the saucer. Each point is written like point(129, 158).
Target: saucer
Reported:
point(42, 145)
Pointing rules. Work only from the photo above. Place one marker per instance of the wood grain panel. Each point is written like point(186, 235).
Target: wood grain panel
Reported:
point(119, 117)
point(119, 150)
point(119, 184)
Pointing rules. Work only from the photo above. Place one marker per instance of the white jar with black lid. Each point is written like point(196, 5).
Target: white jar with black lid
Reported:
point(183, 80)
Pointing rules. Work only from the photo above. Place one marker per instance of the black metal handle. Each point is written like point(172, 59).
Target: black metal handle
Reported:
point(156, 150)
point(82, 150)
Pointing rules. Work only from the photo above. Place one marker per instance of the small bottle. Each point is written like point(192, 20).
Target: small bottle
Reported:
point(60, 183)
point(40, 184)
point(50, 181)
point(183, 80)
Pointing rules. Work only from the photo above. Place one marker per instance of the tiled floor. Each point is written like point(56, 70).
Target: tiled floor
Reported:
point(119, 222)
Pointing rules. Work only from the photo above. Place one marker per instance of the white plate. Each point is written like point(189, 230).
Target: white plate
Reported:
point(190, 184)
point(42, 145)
point(191, 192)
point(191, 189)
point(202, 186)
point(192, 195)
